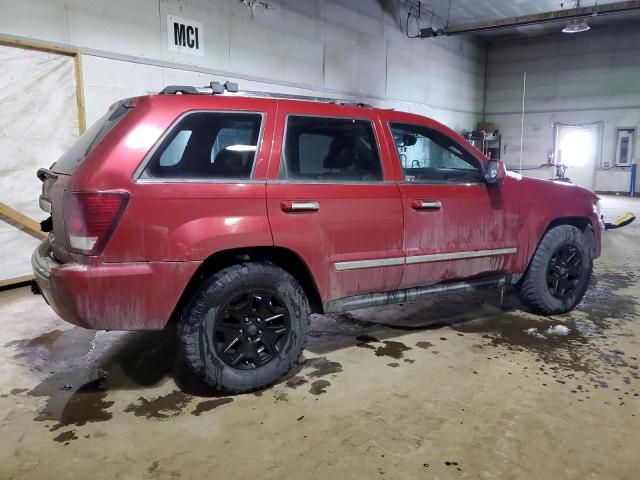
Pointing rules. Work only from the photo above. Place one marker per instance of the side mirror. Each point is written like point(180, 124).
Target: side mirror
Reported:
point(495, 172)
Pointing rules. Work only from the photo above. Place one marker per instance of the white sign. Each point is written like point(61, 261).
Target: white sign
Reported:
point(185, 36)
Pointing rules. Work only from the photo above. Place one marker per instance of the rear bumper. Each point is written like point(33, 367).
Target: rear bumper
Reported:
point(111, 296)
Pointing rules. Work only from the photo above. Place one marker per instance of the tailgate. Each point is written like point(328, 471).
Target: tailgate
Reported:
point(51, 201)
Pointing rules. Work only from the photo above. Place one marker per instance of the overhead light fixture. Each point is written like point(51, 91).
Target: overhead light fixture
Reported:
point(576, 25)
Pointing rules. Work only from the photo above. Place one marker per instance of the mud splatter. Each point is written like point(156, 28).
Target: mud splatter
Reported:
point(424, 345)
point(603, 305)
point(367, 339)
point(280, 397)
point(208, 405)
point(163, 407)
point(409, 360)
point(319, 387)
point(295, 382)
point(322, 367)
point(66, 437)
point(518, 332)
point(391, 349)
point(18, 391)
point(581, 342)
point(393, 365)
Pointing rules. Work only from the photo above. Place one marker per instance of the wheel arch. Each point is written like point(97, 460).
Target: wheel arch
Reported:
point(582, 223)
point(281, 257)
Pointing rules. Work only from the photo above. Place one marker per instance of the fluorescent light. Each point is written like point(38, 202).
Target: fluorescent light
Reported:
point(576, 25)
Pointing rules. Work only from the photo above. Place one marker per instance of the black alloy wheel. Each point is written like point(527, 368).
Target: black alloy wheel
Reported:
point(251, 329)
point(564, 271)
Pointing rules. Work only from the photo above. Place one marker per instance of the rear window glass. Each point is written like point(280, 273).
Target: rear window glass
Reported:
point(74, 157)
point(322, 149)
point(207, 145)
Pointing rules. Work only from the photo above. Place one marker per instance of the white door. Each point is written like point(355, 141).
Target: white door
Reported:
point(38, 122)
point(578, 148)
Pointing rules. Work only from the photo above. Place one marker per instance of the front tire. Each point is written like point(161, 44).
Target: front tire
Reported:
point(559, 273)
point(245, 327)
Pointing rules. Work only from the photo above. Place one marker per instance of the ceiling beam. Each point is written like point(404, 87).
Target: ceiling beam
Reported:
point(535, 19)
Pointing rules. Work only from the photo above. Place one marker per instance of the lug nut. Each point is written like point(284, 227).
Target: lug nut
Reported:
point(258, 320)
point(240, 331)
point(246, 320)
point(260, 332)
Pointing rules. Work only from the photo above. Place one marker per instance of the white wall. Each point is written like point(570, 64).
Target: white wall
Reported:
point(38, 123)
point(334, 48)
point(581, 78)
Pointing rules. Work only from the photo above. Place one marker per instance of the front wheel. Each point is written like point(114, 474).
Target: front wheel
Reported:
point(245, 327)
point(559, 273)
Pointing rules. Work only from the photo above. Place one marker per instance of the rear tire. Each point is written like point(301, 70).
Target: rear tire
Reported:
point(559, 273)
point(245, 327)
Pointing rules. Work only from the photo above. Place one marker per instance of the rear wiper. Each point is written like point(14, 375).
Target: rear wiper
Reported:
point(44, 173)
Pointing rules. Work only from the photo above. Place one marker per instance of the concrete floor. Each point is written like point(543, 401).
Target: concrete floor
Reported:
point(449, 388)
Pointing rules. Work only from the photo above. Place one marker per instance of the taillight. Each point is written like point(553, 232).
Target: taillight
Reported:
point(90, 219)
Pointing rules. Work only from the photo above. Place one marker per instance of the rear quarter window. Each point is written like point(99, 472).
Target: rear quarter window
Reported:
point(80, 150)
point(207, 146)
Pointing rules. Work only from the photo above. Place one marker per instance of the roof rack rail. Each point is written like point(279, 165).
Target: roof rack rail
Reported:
point(217, 88)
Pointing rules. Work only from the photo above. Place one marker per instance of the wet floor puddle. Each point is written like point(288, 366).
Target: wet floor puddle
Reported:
point(56, 344)
point(79, 395)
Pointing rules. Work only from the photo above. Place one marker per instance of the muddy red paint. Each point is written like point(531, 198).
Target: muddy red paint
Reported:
point(172, 232)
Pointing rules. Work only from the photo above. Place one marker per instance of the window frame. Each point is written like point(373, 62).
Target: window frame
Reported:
point(150, 154)
point(282, 163)
point(404, 180)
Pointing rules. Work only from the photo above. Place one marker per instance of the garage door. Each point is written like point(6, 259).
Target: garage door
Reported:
point(38, 121)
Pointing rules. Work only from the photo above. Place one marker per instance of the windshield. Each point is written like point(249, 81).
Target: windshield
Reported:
point(74, 157)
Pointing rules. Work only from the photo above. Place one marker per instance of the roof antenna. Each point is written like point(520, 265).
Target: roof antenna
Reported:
point(524, 93)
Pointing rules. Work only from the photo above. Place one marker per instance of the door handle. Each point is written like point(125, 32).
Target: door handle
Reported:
point(426, 205)
point(305, 206)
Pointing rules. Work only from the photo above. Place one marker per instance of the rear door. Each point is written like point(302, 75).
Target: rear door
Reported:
point(333, 201)
point(456, 226)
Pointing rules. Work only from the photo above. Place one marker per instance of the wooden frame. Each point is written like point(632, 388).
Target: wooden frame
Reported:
point(71, 52)
point(21, 221)
point(13, 217)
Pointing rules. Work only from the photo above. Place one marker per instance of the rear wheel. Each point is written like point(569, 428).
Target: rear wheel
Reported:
point(245, 327)
point(559, 273)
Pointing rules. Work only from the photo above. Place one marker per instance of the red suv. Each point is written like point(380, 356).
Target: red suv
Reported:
point(238, 214)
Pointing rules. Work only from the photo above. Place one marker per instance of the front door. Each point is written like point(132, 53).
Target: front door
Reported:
point(456, 226)
point(331, 201)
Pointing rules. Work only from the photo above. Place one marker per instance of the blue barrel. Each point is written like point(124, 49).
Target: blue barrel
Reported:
point(632, 189)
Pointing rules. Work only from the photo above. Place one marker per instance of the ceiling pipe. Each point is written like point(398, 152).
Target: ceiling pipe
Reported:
point(535, 19)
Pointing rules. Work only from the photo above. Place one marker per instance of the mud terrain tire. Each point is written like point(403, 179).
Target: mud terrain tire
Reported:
point(559, 273)
point(231, 330)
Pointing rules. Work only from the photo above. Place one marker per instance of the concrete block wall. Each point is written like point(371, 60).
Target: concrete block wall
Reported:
point(323, 47)
point(583, 78)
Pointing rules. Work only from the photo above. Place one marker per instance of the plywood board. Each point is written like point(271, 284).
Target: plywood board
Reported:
point(38, 122)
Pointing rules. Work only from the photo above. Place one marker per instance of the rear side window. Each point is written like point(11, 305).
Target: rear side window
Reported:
point(323, 149)
point(207, 145)
point(74, 157)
